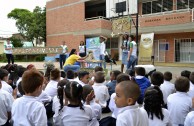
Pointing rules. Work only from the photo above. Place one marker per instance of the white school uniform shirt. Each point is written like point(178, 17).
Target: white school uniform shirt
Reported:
point(55, 108)
point(132, 116)
point(81, 83)
point(44, 97)
point(6, 87)
point(74, 116)
point(97, 112)
point(101, 93)
point(102, 48)
point(82, 49)
point(179, 105)
point(112, 106)
point(6, 101)
point(191, 90)
point(17, 83)
point(51, 88)
point(27, 111)
point(158, 122)
point(189, 121)
point(167, 88)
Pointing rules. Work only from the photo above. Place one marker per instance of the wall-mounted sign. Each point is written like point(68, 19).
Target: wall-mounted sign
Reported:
point(121, 25)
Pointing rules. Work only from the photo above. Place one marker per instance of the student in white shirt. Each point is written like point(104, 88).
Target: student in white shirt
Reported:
point(96, 108)
point(6, 101)
point(167, 87)
point(189, 121)
point(82, 49)
point(83, 78)
point(100, 90)
point(62, 56)
point(8, 51)
point(26, 110)
point(4, 78)
point(51, 88)
point(127, 93)
point(191, 89)
point(73, 112)
point(112, 106)
point(153, 102)
point(132, 54)
point(102, 47)
point(180, 104)
point(20, 72)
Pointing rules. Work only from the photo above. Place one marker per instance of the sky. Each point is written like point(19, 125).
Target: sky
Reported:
point(7, 26)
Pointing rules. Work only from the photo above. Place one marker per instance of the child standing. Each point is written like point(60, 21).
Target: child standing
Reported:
point(111, 85)
point(4, 78)
point(142, 81)
point(96, 108)
point(127, 93)
point(153, 102)
point(167, 87)
point(179, 103)
point(27, 110)
point(6, 101)
point(100, 90)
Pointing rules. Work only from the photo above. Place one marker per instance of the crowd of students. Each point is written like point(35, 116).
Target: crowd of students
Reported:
point(29, 97)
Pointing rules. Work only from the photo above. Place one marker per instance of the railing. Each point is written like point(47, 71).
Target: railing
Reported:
point(193, 15)
point(95, 18)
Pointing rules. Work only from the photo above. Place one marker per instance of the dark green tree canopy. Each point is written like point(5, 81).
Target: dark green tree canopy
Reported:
point(31, 25)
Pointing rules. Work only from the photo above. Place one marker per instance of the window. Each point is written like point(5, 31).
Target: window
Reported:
point(157, 6)
point(182, 4)
point(191, 4)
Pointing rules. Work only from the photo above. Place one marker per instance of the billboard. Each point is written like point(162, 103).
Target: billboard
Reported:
point(93, 44)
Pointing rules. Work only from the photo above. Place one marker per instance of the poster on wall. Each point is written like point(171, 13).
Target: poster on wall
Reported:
point(145, 48)
point(93, 44)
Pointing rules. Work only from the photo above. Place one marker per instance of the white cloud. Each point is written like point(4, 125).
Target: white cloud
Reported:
point(7, 26)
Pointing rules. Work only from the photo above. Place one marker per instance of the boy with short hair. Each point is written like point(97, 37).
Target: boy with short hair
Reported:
point(179, 103)
point(6, 101)
point(83, 78)
point(70, 75)
point(100, 90)
point(111, 85)
point(142, 81)
point(27, 110)
point(127, 93)
point(4, 78)
point(157, 78)
point(191, 89)
point(167, 87)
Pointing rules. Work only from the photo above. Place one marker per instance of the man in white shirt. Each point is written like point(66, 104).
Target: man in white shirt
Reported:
point(8, 51)
point(62, 56)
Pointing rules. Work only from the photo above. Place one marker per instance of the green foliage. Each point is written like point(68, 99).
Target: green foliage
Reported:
point(30, 24)
point(16, 42)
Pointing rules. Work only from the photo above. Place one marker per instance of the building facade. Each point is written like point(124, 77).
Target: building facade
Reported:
point(171, 21)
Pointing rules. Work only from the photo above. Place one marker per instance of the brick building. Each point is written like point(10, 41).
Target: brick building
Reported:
point(171, 21)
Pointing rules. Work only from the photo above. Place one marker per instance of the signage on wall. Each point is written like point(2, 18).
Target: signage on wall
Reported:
point(121, 25)
point(93, 44)
point(145, 49)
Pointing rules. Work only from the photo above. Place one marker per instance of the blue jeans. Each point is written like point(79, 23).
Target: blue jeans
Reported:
point(102, 58)
point(132, 62)
point(62, 59)
point(75, 68)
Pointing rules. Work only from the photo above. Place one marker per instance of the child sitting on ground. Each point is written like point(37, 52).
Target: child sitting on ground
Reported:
point(157, 78)
point(97, 110)
point(167, 87)
point(27, 111)
point(127, 93)
point(6, 101)
point(100, 90)
point(153, 102)
point(179, 103)
point(191, 89)
point(189, 121)
point(83, 78)
point(4, 78)
point(142, 81)
point(111, 85)
point(70, 75)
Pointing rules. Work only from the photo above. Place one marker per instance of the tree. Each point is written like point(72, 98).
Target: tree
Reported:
point(16, 42)
point(31, 25)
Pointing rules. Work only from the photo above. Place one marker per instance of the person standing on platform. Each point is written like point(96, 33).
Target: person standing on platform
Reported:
point(102, 47)
point(8, 51)
point(62, 57)
point(125, 48)
point(82, 49)
point(132, 54)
